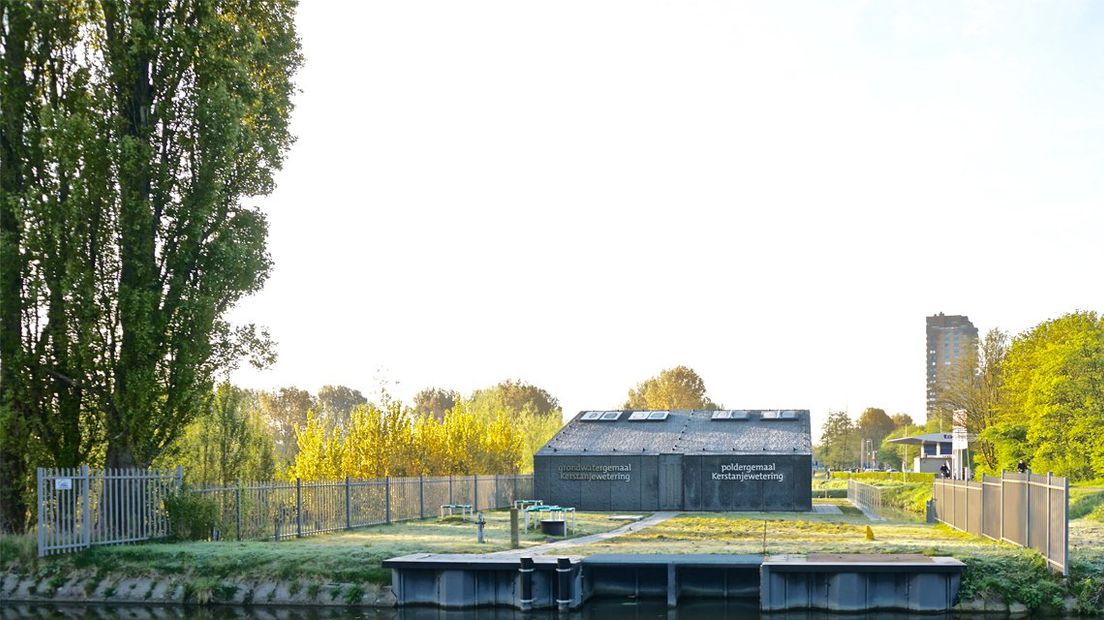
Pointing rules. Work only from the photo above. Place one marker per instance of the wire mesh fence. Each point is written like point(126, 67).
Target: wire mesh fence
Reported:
point(80, 508)
point(1029, 510)
point(277, 510)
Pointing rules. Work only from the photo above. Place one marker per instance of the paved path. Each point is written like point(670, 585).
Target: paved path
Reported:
point(827, 509)
point(551, 547)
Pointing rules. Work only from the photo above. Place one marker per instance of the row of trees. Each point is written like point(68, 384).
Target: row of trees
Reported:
point(495, 430)
point(1037, 397)
point(842, 438)
point(133, 133)
point(478, 435)
point(288, 432)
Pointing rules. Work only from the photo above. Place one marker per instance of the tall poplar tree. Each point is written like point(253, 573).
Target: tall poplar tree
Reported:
point(135, 133)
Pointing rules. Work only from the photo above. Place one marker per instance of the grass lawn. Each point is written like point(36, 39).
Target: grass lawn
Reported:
point(353, 556)
point(996, 570)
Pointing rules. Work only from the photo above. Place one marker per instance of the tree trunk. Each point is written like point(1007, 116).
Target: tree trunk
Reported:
point(13, 436)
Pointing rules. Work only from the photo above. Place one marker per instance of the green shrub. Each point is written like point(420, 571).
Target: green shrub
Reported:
point(353, 594)
point(191, 516)
point(1022, 578)
point(873, 477)
point(18, 549)
point(1084, 504)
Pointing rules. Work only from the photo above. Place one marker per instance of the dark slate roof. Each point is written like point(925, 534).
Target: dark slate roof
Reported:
point(761, 431)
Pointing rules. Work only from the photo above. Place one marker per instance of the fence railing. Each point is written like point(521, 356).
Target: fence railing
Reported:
point(1029, 510)
point(865, 497)
point(277, 510)
point(79, 508)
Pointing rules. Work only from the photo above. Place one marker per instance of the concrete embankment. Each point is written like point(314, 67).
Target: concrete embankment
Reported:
point(108, 588)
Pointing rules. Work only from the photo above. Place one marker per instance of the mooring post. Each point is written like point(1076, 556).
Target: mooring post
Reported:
point(563, 584)
point(672, 585)
point(514, 538)
point(525, 574)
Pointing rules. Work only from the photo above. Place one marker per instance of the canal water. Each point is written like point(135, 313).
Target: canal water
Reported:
point(594, 610)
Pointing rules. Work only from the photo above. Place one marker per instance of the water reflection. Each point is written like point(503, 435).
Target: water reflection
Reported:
point(594, 610)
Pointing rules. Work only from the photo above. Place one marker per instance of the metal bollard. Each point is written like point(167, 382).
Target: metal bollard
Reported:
point(526, 575)
point(563, 583)
point(480, 522)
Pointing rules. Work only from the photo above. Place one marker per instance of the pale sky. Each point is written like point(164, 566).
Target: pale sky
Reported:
point(580, 194)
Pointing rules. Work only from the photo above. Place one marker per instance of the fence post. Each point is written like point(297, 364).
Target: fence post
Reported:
point(1002, 506)
point(237, 509)
point(298, 507)
point(966, 509)
point(450, 490)
point(348, 505)
point(86, 504)
point(421, 496)
point(40, 475)
point(1065, 518)
point(1047, 554)
point(1027, 510)
point(387, 492)
point(475, 493)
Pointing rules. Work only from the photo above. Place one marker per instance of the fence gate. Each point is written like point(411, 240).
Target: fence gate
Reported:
point(79, 508)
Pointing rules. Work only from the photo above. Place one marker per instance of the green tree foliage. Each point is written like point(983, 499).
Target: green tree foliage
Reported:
point(285, 410)
point(336, 402)
point(675, 388)
point(874, 425)
point(434, 402)
point(132, 133)
point(518, 396)
point(901, 420)
point(229, 441)
point(1052, 408)
point(897, 455)
point(839, 441)
point(970, 395)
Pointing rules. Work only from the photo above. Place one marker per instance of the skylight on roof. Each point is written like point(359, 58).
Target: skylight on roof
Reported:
point(609, 416)
point(658, 415)
point(729, 415)
point(638, 415)
point(590, 416)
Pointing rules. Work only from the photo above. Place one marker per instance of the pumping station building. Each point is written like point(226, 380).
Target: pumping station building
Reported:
point(732, 460)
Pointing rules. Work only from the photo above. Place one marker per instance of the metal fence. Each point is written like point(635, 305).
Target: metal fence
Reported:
point(79, 508)
point(1029, 510)
point(278, 510)
point(865, 497)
